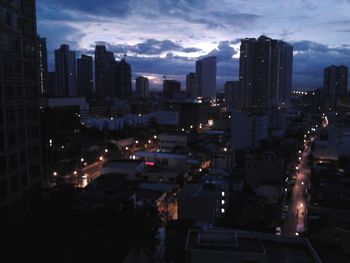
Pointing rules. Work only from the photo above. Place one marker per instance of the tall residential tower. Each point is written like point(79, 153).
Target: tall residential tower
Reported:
point(206, 77)
point(20, 145)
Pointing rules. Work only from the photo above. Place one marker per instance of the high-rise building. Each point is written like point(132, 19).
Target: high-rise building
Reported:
point(20, 146)
point(170, 87)
point(335, 82)
point(43, 69)
point(51, 83)
point(191, 85)
point(85, 78)
point(265, 72)
point(120, 77)
point(142, 87)
point(232, 91)
point(65, 65)
point(103, 61)
point(206, 77)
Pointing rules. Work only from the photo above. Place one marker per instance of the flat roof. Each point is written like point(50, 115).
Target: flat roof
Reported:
point(274, 248)
point(162, 155)
point(122, 163)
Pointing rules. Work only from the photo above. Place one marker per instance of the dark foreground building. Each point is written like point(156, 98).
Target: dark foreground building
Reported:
point(20, 152)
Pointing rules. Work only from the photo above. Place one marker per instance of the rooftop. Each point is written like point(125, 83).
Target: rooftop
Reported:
point(234, 242)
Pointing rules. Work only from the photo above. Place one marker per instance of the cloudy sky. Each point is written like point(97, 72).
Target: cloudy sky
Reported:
point(164, 37)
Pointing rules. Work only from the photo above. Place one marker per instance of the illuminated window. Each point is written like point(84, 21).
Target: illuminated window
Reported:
point(222, 210)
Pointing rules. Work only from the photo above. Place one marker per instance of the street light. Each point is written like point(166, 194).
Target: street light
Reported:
point(75, 172)
point(106, 150)
point(101, 158)
point(54, 173)
point(82, 160)
point(155, 136)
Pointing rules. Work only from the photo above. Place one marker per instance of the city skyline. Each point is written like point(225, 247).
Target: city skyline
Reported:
point(164, 38)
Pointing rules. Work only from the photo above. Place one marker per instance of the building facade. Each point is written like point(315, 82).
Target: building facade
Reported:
point(120, 77)
point(142, 87)
point(20, 145)
point(85, 77)
point(206, 77)
point(248, 130)
point(335, 81)
point(43, 69)
point(265, 72)
point(191, 85)
point(103, 61)
point(170, 88)
point(65, 65)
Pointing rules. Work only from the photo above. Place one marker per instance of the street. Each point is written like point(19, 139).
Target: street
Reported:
point(298, 206)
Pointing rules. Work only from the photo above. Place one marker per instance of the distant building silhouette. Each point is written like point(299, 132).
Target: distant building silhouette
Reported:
point(120, 76)
point(51, 83)
point(170, 87)
point(232, 91)
point(65, 65)
point(206, 77)
point(103, 61)
point(142, 87)
point(335, 81)
point(85, 77)
point(43, 69)
point(335, 85)
point(20, 144)
point(265, 72)
point(191, 85)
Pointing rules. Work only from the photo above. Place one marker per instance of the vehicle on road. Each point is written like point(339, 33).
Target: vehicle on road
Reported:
point(278, 231)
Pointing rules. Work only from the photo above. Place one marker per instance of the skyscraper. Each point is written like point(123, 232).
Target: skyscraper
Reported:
point(335, 82)
point(206, 77)
point(142, 87)
point(120, 77)
point(191, 85)
point(20, 146)
point(265, 72)
point(103, 61)
point(85, 78)
point(170, 87)
point(232, 90)
point(43, 70)
point(65, 65)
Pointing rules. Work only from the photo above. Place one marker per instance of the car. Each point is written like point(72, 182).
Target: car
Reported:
point(278, 231)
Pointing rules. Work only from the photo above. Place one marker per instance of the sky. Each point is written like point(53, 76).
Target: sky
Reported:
point(166, 37)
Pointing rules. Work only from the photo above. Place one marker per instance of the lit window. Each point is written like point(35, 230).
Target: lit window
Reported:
point(222, 193)
point(222, 202)
point(222, 210)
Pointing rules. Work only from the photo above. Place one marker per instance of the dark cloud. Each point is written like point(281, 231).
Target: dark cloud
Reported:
point(310, 60)
point(116, 8)
point(223, 52)
point(150, 47)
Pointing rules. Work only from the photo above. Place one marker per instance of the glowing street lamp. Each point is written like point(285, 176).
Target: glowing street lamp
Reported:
point(54, 173)
point(82, 160)
point(106, 150)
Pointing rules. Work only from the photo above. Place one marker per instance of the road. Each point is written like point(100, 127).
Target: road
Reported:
point(296, 217)
point(90, 173)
